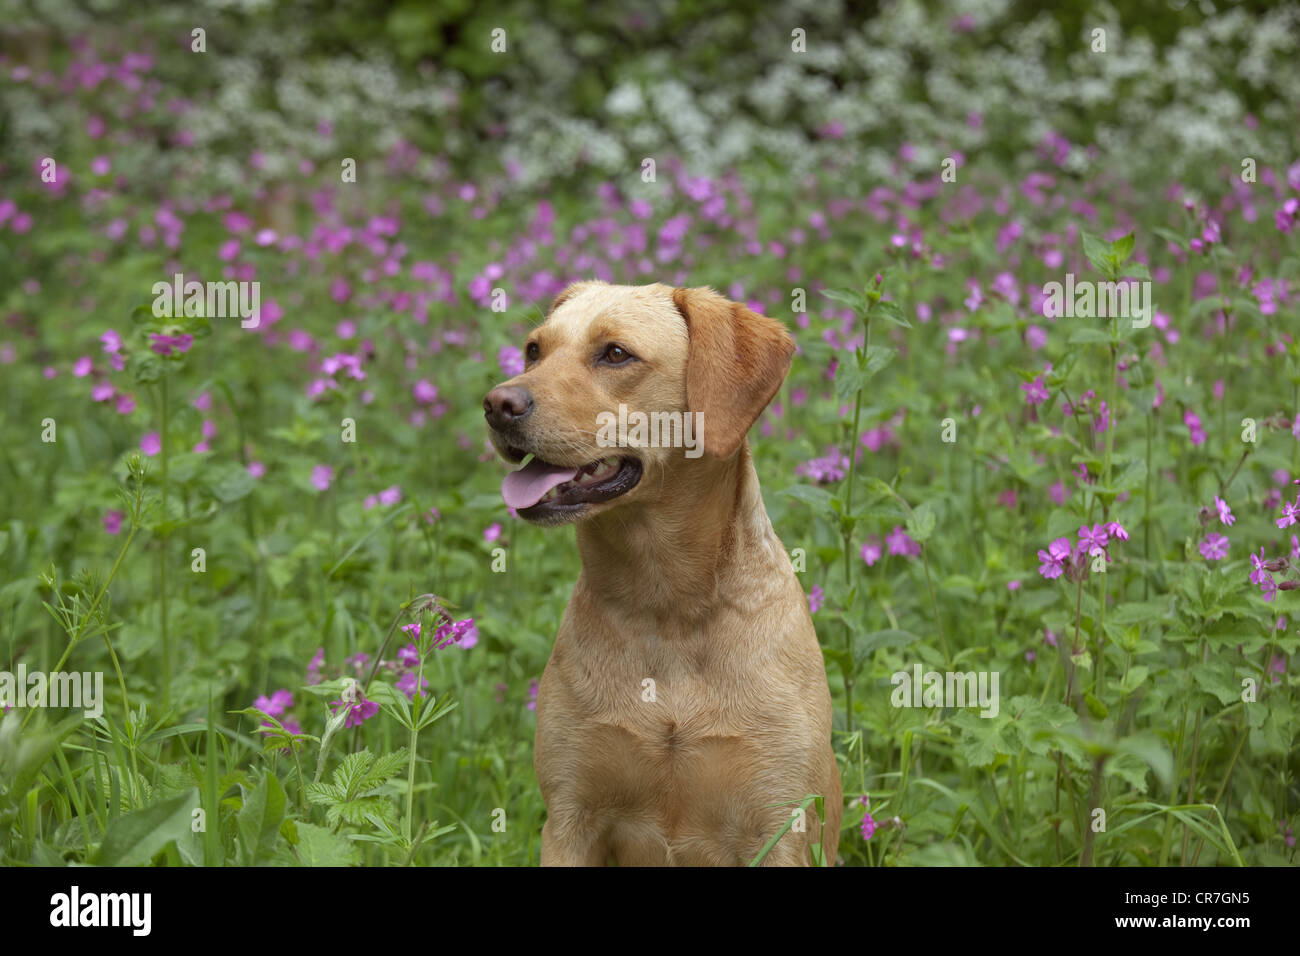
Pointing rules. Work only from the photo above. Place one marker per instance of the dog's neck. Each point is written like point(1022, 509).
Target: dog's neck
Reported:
point(666, 559)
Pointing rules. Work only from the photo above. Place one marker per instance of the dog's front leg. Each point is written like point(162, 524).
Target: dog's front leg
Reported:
point(573, 848)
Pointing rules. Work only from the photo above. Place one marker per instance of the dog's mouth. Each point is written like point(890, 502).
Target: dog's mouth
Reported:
point(542, 490)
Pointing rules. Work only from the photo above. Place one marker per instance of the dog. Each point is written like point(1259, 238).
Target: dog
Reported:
point(684, 714)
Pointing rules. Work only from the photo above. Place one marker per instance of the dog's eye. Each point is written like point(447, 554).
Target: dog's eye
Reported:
point(616, 355)
point(532, 351)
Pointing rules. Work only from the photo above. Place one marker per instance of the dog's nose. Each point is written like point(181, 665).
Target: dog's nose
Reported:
point(507, 404)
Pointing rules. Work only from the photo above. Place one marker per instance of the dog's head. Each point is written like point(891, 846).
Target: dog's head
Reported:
point(621, 381)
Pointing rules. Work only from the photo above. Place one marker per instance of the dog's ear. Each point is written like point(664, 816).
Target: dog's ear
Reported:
point(736, 363)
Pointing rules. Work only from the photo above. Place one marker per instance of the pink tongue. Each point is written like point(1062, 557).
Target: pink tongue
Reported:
point(525, 487)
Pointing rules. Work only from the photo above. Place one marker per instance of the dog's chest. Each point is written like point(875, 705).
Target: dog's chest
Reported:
point(672, 748)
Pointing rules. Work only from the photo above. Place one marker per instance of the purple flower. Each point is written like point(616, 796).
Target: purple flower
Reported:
point(1116, 530)
point(151, 444)
point(425, 392)
point(868, 826)
point(276, 704)
point(1257, 565)
point(406, 684)
point(1050, 567)
point(449, 634)
point(1214, 547)
point(321, 476)
point(1035, 391)
point(1268, 586)
point(816, 599)
point(1092, 538)
point(1060, 549)
point(830, 468)
point(164, 344)
point(314, 666)
point(469, 637)
point(1290, 512)
point(358, 712)
point(113, 521)
point(1057, 493)
point(1225, 513)
point(872, 551)
point(900, 542)
point(511, 361)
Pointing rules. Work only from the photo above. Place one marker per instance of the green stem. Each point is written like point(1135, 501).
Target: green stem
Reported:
point(1146, 521)
point(1101, 628)
point(162, 560)
point(410, 766)
point(846, 535)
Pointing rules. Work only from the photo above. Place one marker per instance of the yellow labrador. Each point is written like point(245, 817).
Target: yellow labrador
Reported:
point(685, 706)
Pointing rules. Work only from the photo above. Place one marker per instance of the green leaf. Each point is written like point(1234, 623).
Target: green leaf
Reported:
point(1097, 252)
point(879, 487)
point(890, 312)
point(1218, 680)
point(228, 482)
point(982, 738)
point(920, 525)
point(1039, 724)
point(1122, 248)
point(318, 846)
point(259, 819)
point(436, 711)
point(866, 644)
point(878, 356)
point(848, 297)
point(1152, 751)
point(134, 839)
point(146, 367)
point(1130, 768)
point(1132, 476)
point(1135, 678)
point(1089, 336)
point(819, 499)
point(849, 380)
point(1170, 236)
point(1062, 524)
